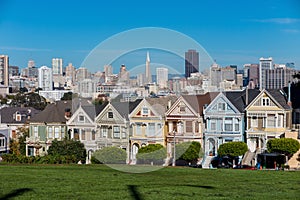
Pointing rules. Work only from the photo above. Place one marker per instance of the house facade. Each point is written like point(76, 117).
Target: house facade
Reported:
point(268, 116)
point(185, 120)
point(46, 126)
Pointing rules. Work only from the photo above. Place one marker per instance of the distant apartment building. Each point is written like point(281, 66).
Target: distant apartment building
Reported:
point(13, 71)
point(162, 77)
point(253, 74)
point(87, 88)
point(123, 75)
point(70, 74)
point(279, 77)
point(264, 64)
point(191, 62)
point(81, 74)
point(4, 76)
point(57, 66)
point(45, 78)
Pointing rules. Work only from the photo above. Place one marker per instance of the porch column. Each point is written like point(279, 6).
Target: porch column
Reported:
point(170, 125)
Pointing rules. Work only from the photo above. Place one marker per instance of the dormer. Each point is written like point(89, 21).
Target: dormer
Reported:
point(18, 116)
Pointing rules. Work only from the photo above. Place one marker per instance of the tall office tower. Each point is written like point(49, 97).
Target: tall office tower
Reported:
point(148, 76)
point(140, 79)
point(70, 72)
point(264, 64)
point(31, 63)
point(108, 70)
point(279, 78)
point(162, 77)
point(215, 75)
point(4, 76)
point(45, 78)
point(253, 75)
point(81, 74)
point(191, 62)
point(57, 66)
point(228, 73)
point(124, 74)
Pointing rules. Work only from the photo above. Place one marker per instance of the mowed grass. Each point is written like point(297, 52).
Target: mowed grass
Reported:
point(102, 182)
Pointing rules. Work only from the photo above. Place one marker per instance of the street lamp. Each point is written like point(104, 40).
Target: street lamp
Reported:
point(174, 153)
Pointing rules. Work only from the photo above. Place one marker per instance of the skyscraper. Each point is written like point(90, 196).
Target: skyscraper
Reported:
point(162, 77)
point(148, 75)
point(4, 63)
point(191, 62)
point(57, 66)
point(45, 78)
point(264, 64)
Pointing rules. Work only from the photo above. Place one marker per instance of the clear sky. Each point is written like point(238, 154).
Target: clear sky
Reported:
point(232, 32)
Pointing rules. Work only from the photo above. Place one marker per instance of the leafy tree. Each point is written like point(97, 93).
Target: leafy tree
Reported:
point(286, 146)
point(69, 148)
point(67, 96)
point(188, 151)
point(110, 155)
point(18, 146)
point(152, 153)
point(232, 149)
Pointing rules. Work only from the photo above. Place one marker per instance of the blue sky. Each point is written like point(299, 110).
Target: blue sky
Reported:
point(232, 32)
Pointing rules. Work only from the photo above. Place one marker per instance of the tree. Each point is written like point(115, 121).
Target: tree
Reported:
point(18, 146)
point(232, 149)
point(73, 150)
point(152, 153)
point(286, 146)
point(188, 151)
point(68, 96)
point(110, 155)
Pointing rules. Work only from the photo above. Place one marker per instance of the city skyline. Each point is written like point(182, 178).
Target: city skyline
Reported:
point(231, 32)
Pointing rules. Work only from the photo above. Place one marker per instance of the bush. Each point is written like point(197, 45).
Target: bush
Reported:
point(287, 146)
point(232, 149)
point(110, 155)
point(188, 151)
point(152, 154)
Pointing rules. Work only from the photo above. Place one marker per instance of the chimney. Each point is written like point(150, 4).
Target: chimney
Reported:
point(289, 95)
point(67, 113)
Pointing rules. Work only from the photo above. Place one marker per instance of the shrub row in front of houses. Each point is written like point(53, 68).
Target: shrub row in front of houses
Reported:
point(48, 159)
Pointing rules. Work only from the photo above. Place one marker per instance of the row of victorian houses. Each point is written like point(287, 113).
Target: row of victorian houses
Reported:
point(212, 119)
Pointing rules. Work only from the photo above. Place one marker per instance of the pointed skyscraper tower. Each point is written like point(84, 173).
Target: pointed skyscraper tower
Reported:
point(148, 76)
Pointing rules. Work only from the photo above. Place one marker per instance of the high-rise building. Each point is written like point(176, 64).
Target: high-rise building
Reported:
point(253, 75)
point(13, 71)
point(162, 77)
point(4, 76)
point(215, 75)
point(191, 62)
point(279, 78)
point(264, 64)
point(123, 75)
point(31, 63)
point(81, 74)
point(57, 66)
point(70, 73)
point(148, 75)
point(45, 78)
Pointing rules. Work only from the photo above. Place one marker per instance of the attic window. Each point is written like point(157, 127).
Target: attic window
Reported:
point(110, 115)
point(18, 117)
point(265, 101)
point(81, 118)
point(181, 108)
point(221, 106)
point(145, 111)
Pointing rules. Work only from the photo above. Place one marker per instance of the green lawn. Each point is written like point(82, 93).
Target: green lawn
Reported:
point(102, 182)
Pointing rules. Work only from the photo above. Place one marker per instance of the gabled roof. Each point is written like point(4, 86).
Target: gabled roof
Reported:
point(125, 108)
point(27, 113)
point(197, 102)
point(54, 112)
point(93, 110)
point(281, 99)
point(161, 104)
point(238, 98)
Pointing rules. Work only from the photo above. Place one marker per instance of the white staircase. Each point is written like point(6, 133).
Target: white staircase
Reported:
point(206, 162)
point(249, 156)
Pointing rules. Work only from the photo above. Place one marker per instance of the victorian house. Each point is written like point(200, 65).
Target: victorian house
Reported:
point(225, 122)
point(112, 125)
point(46, 126)
point(268, 116)
point(82, 126)
point(185, 121)
point(147, 123)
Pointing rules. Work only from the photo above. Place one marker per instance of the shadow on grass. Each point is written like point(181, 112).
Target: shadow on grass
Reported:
point(134, 193)
point(15, 193)
point(200, 186)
